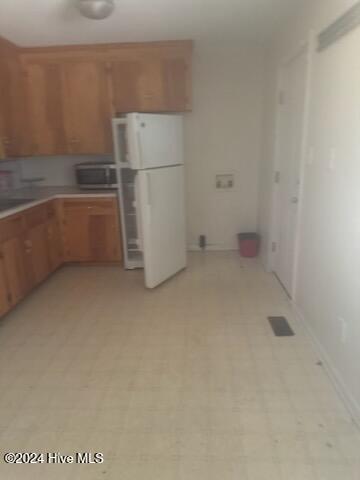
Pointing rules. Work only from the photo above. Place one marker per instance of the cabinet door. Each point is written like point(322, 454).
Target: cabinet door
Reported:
point(54, 244)
point(5, 107)
point(14, 265)
point(125, 77)
point(37, 255)
point(44, 96)
point(138, 86)
point(87, 107)
point(104, 238)
point(151, 85)
point(14, 132)
point(177, 84)
point(75, 232)
point(4, 292)
point(91, 231)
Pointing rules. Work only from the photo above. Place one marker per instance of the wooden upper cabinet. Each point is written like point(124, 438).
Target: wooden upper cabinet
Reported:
point(177, 84)
point(125, 75)
point(152, 84)
point(44, 88)
point(87, 107)
point(60, 100)
point(138, 86)
point(14, 135)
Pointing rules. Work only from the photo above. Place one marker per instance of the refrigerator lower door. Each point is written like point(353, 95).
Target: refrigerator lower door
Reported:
point(162, 216)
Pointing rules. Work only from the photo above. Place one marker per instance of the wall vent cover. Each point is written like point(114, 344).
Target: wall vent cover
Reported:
point(341, 27)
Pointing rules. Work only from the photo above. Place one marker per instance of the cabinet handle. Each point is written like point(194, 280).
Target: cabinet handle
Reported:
point(28, 244)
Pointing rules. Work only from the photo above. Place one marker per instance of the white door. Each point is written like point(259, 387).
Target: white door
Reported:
point(162, 217)
point(291, 134)
point(154, 140)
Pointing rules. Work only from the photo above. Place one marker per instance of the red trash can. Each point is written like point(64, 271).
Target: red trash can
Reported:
point(249, 244)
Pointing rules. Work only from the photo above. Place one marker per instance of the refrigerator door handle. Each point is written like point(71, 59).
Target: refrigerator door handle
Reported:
point(139, 149)
point(149, 197)
point(148, 188)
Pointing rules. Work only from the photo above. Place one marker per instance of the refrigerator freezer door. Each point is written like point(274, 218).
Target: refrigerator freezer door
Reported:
point(154, 140)
point(162, 210)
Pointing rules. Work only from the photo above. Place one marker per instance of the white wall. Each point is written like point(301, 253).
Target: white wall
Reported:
point(222, 135)
point(328, 283)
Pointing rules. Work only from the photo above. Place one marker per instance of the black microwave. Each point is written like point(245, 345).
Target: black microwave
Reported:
point(96, 175)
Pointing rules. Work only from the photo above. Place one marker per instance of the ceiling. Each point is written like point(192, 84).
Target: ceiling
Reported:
point(55, 22)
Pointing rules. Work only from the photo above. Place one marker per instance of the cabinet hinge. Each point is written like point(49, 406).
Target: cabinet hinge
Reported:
point(277, 176)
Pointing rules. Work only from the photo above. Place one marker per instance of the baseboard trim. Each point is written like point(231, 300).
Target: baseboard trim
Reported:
point(351, 404)
point(211, 248)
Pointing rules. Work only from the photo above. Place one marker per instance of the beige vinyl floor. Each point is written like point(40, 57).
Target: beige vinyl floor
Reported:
point(186, 382)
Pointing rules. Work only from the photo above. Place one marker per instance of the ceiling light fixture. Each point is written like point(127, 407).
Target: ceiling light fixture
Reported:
point(96, 9)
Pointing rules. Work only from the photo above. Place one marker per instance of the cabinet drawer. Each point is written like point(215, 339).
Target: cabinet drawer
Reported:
point(101, 206)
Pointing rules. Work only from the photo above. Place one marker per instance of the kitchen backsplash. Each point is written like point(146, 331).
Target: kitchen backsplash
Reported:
point(55, 171)
point(12, 169)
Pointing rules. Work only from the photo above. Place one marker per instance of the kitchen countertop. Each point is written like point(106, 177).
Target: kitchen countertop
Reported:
point(40, 195)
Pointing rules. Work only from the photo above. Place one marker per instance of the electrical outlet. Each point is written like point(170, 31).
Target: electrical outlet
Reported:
point(225, 182)
point(344, 330)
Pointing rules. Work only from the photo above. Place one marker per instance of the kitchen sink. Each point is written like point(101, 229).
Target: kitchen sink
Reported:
point(8, 203)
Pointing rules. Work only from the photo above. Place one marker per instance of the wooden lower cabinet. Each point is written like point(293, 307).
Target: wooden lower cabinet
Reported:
point(37, 255)
point(13, 257)
point(15, 269)
point(36, 242)
point(91, 230)
point(55, 246)
point(5, 300)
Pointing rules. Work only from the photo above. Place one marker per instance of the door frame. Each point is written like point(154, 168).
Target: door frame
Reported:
point(308, 48)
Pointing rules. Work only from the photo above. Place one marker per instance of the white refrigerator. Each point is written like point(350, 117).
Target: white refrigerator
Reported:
point(150, 168)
